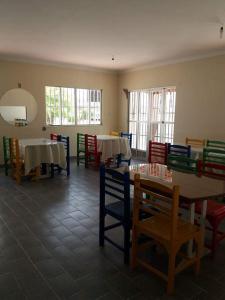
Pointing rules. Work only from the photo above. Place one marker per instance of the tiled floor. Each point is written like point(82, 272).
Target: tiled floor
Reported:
point(49, 248)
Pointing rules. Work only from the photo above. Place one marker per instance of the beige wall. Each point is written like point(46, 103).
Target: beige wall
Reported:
point(35, 77)
point(200, 102)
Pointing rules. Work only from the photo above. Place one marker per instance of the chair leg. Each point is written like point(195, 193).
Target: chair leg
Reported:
point(171, 272)
point(118, 160)
point(126, 244)
point(134, 248)
point(6, 169)
point(214, 240)
point(101, 228)
point(52, 170)
point(37, 172)
point(78, 159)
point(198, 255)
point(18, 177)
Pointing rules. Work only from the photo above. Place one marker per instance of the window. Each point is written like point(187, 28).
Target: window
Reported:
point(151, 116)
point(88, 106)
point(70, 106)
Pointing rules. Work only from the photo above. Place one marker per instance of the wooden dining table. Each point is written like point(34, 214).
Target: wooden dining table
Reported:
point(192, 187)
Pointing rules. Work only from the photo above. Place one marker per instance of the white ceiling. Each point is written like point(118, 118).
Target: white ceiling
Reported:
point(90, 32)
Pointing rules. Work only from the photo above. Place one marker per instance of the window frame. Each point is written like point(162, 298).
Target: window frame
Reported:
point(75, 106)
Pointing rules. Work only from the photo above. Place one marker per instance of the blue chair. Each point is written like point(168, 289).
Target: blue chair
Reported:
point(115, 187)
point(120, 158)
point(66, 142)
point(179, 150)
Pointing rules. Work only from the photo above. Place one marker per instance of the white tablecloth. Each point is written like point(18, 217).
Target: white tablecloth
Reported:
point(41, 150)
point(110, 146)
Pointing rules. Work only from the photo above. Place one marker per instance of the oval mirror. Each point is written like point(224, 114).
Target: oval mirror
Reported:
point(18, 107)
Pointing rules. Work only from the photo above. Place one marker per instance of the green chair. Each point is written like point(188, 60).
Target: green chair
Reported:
point(215, 144)
point(182, 164)
point(213, 162)
point(6, 152)
point(80, 148)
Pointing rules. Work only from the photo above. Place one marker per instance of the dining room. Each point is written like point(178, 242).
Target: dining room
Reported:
point(112, 150)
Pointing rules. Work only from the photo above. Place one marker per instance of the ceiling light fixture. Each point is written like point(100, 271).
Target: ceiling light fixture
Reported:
point(221, 32)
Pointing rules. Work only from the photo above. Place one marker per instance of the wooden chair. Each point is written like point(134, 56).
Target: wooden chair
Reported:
point(157, 153)
point(215, 144)
point(165, 227)
point(92, 156)
point(120, 157)
point(17, 163)
point(114, 133)
point(115, 202)
point(66, 143)
point(195, 143)
point(6, 153)
point(183, 164)
point(80, 148)
point(179, 150)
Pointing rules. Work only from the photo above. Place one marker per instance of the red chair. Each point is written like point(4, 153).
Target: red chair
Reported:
point(54, 136)
point(215, 211)
point(92, 156)
point(157, 153)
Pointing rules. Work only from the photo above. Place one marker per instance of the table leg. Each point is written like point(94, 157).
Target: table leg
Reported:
point(192, 221)
point(202, 223)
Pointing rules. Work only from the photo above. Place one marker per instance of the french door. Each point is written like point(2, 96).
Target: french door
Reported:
point(151, 116)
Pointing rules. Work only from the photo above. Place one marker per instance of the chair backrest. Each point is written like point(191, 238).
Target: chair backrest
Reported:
point(80, 142)
point(215, 144)
point(157, 153)
point(127, 135)
point(115, 133)
point(213, 162)
point(14, 152)
point(156, 199)
point(66, 142)
point(179, 150)
point(183, 164)
point(116, 185)
point(6, 148)
point(195, 143)
point(91, 144)
point(55, 137)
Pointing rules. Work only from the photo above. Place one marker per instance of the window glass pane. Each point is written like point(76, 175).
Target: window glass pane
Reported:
point(68, 106)
point(82, 106)
point(88, 106)
point(53, 108)
point(60, 106)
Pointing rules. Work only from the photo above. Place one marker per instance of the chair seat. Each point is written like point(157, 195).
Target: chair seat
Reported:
point(214, 208)
point(160, 226)
point(116, 209)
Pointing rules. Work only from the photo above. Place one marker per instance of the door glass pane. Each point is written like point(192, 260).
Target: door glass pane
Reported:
point(151, 116)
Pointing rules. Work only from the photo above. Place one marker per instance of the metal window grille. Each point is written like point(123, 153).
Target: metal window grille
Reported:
point(151, 116)
point(68, 106)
